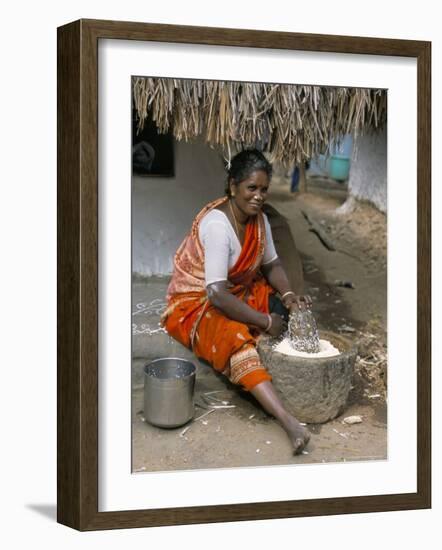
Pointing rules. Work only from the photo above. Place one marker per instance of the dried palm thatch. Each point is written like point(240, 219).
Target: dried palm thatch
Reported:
point(292, 123)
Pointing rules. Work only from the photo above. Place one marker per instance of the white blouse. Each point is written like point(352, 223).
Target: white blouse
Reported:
point(222, 247)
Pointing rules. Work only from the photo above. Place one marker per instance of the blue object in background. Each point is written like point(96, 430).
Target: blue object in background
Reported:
point(345, 149)
point(339, 167)
point(295, 180)
point(336, 165)
point(339, 162)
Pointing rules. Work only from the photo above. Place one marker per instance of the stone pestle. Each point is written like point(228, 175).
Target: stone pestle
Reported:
point(302, 331)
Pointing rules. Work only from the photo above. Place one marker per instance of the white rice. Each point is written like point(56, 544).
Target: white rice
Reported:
point(326, 349)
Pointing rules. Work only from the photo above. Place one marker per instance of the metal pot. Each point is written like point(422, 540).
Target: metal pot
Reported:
point(168, 392)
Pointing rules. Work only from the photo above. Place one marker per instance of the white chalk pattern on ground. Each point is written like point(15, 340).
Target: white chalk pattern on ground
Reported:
point(155, 307)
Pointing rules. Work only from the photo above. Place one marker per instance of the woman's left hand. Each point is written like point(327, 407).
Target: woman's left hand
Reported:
point(298, 302)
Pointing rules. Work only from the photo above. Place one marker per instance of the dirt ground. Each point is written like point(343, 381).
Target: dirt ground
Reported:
point(348, 286)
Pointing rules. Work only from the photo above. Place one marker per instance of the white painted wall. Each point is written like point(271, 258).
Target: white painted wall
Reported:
point(368, 170)
point(163, 208)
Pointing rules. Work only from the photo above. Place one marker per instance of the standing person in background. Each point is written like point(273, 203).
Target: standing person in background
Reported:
point(298, 181)
point(294, 185)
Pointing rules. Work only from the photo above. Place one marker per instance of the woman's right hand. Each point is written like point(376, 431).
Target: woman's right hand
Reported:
point(278, 325)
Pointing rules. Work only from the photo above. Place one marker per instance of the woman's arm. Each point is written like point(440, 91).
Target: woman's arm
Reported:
point(215, 238)
point(238, 310)
point(277, 278)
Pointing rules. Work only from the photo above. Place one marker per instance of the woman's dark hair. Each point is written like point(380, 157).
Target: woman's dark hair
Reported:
point(244, 164)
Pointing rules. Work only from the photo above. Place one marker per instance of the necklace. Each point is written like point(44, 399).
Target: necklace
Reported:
point(234, 218)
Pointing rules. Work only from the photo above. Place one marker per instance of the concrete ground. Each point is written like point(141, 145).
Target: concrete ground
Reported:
point(244, 435)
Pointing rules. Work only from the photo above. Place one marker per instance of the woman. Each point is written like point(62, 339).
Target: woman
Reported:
point(221, 295)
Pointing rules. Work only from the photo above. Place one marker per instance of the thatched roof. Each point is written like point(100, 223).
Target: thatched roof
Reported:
point(292, 123)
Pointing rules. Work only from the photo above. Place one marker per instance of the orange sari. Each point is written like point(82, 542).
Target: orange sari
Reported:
point(228, 345)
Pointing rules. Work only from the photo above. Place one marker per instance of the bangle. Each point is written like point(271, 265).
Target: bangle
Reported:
point(269, 324)
point(287, 293)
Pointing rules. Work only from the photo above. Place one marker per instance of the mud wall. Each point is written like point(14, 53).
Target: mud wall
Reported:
point(368, 170)
point(163, 208)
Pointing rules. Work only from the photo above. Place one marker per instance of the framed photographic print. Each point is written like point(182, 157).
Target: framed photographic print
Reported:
point(311, 154)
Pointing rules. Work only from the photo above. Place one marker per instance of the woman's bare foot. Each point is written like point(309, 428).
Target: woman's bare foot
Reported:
point(265, 394)
point(298, 435)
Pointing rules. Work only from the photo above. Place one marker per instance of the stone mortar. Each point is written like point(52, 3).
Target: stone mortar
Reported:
point(313, 390)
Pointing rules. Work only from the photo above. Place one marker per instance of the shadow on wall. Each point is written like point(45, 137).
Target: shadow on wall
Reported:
point(163, 208)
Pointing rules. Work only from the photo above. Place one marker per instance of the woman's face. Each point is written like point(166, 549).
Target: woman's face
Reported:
point(250, 194)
